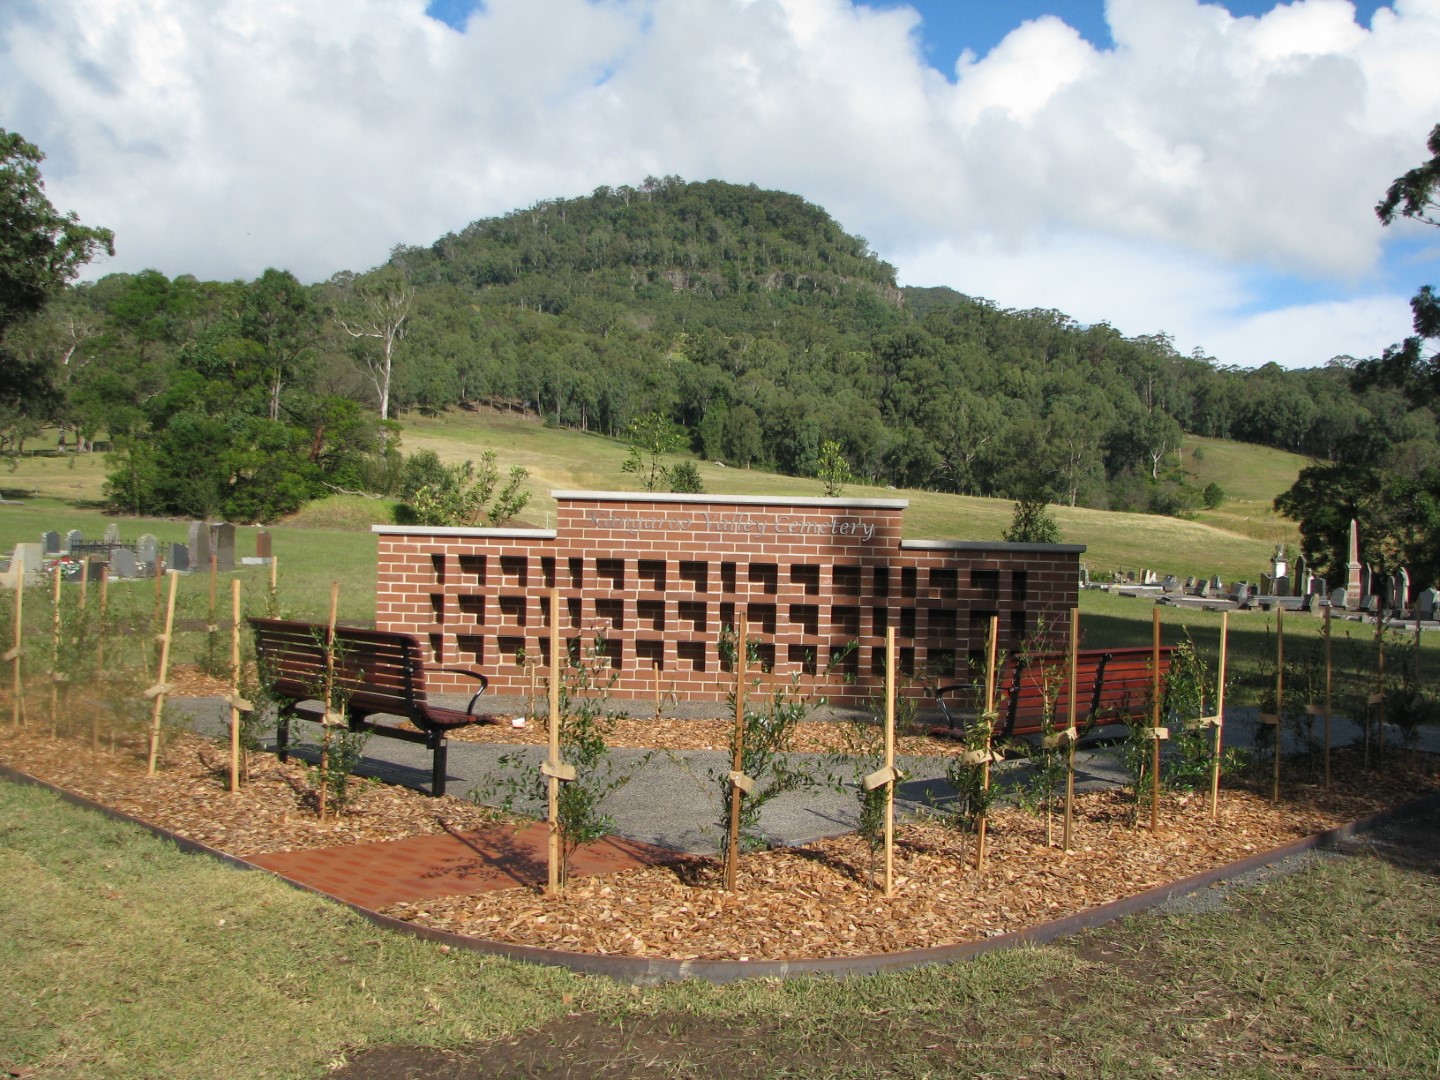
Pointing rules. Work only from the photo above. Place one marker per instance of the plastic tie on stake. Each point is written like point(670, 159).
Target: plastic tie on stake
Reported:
point(880, 777)
point(60, 676)
point(13, 654)
point(334, 719)
point(239, 704)
point(1375, 699)
point(560, 770)
point(980, 757)
point(163, 639)
point(213, 628)
point(743, 782)
point(1060, 738)
point(1208, 721)
point(1315, 710)
point(1158, 733)
point(1269, 718)
point(158, 689)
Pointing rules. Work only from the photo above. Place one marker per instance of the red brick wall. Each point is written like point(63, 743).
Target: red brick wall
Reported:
point(661, 576)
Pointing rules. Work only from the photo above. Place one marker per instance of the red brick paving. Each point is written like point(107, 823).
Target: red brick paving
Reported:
point(449, 864)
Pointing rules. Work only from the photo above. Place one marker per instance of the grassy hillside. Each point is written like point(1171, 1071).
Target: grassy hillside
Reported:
point(1233, 541)
point(1252, 476)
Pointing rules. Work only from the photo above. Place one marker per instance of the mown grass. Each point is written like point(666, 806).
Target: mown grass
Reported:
point(124, 958)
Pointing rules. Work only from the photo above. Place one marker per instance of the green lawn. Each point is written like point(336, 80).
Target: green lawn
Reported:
point(123, 958)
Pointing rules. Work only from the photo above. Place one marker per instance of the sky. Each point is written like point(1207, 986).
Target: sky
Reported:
point(1203, 170)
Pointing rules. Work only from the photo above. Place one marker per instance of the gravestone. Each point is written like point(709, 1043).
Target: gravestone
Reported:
point(1267, 585)
point(1282, 586)
point(147, 549)
point(222, 543)
point(1217, 584)
point(1367, 582)
point(95, 567)
point(1316, 586)
point(124, 564)
point(200, 545)
point(112, 533)
point(1130, 576)
point(1241, 592)
point(1425, 604)
point(1171, 583)
point(178, 558)
point(1151, 578)
point(50, 543)
point(73, 539)
point(1338, 598)
point(1402, 590)
point(262, 551)
point(1203, 589)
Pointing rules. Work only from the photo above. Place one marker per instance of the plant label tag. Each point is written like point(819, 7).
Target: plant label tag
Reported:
point(559, 770)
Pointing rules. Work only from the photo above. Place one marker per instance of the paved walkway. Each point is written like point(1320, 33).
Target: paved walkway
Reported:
point(673, 799)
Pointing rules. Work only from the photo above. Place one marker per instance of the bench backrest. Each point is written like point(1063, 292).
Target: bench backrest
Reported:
point(1111, 685)
point(375, 670)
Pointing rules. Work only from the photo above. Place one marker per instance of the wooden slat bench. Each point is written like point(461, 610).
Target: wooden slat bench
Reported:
point(1112, 686)
point(377, 673)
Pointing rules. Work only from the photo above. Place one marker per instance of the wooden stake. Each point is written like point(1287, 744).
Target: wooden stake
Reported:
point(1279, 699)
point(982, 825)
point(235, 702)
point(659, 711)
point(85, 584)
point(555, 854)
point(737, 761)
point(158, 691)
point(1219, 743)
point(1329, 675)
point(890, 760)
point(1377, 699)
point(1071, 714)
point(17, 688)
point(325, 723)
point(55, 673)
point(274, 583)
point(1155, 721)
point(104, 605)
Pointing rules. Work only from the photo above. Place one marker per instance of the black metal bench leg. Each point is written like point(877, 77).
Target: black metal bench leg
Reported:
point(437, 771)
point(282, 737)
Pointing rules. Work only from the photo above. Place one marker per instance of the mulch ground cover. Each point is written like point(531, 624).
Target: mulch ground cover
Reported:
point(814, 901)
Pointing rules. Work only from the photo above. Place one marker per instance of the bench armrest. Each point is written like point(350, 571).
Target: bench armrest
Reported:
point(469, 674)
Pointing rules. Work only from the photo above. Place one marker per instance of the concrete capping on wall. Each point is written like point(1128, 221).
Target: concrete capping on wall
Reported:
point(651, 971)
point(991, 545)
point(451, 530)
point(732, 500)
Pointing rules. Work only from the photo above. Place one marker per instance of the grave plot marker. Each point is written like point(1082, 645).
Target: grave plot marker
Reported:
point(1312, 709)
point(56, 675)
point(157, 692)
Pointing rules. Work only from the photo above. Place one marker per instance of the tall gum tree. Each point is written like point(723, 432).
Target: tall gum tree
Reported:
point(41, 251)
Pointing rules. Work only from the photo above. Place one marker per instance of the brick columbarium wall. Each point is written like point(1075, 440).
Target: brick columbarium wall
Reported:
point(664, 577)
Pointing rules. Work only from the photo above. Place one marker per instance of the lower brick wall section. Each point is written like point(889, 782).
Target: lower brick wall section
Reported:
point(660, 583)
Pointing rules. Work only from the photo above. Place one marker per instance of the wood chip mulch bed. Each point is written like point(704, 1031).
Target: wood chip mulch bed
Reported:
point(792, 903)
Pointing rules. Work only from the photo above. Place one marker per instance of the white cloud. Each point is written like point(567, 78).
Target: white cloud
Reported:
point(222, 137)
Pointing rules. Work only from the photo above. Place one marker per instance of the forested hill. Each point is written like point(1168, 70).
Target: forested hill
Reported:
point(749, 317)
point(755, 321)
